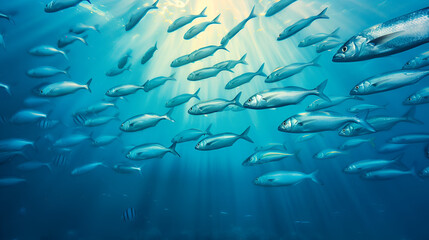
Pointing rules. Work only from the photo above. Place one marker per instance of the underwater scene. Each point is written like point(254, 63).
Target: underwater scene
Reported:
point(214, 119)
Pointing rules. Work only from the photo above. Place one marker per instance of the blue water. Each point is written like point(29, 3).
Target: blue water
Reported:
point(202, 194)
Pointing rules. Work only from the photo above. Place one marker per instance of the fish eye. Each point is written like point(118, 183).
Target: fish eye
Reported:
point(41, 91)
point(344, 130)
point(344, 49)
point(284, 123)
point(357, 87)
point(249, 100)
point(409, 99)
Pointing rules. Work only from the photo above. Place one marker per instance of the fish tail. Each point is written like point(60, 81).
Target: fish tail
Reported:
point(260, 71)
point(245, 136)
point(208, 130)
point(243, 59)
point(65, 55)
point(168, 115)
point(314, 178)
point(222, 46)
point(410, 116)
point(83, 39)
point(322, 14)
point(252, 14)
point(203, 13)
point(173, 149)
point(195, 95)
point(216, 20)
point(97, 28)
point(319, 91)
point(334, 34)
point(315, 61)
point(155, 3)
point(236, 100)
point(297, 156)
point(88, 84)
point(362, 121)
point(66, 72)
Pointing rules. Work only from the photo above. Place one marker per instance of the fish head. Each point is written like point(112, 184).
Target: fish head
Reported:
point(201, 145)
point(265, 180)
point(313, 106)
point(319, 155)
point(40, 91)
point(254, 101)
point(249, 160)
point(126, 126)
point(49, 6)
point(361, 89)
point(347, 131)
point(289, 125)
point(413, 99)
point(194, 110)
point(272, 77)
point(350, 169)
point(131, 155)
point(351, 51)
point(412, 64)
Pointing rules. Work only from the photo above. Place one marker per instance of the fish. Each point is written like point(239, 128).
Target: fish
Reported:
point(379, 123)
point(4, 182)
point(410, 138)
point(424, 173)
point(388, 81)
point(71, 140)
point(230, 64)
point(123, 90)
point(6, 88)
point(212, 106)
point(245, 78)
point(46, 50)
point(60, 160)
point(269, 146)
point(124, 59)
point(320, 121)
point(267, 156)
point(156, 82)
point(386, 174)
point(7, 17)
point(8, 156)
point(58, 5)
point(372, 164)
point(222, 140)
point(129, 215)
point(33, 165)
point(104, 140)
point(329, 153)
point(80, 28)
point(200, 27)
point(126, 168)
point(327, 45)
point(279, 97)
point(61, 88)
point(149, 54)
point(99, 120)
point(86, 168)
point(419, 61)
point(138, 15)
point(116, 71)
point(305, 137)
point(143, 121)
point(47, 71)
point(322, 104)
point(285, 178)
point(384, 39)
point(301, 24)
point(391, 147)
point(206, 73)
point(27, 116)
point(316, 38)
point(181, 61)
point(290, 70)
point(70, 38)
point(191, 135)
point(185, 20)
point(278, 6)
point(355, 142)
point(15, 144)
point(181, 99)
point(205, 52)
point(365, 107)
point(419, 97)
point(98, 107)
point(151, 151)
point(237, 28)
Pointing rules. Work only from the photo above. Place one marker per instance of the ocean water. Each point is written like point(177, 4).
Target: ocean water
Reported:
point(202, 194)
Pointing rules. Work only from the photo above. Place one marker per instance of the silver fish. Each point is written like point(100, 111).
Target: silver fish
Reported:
point(58, 5)
point(386, 174)
point(138, 15)
point(71, 140)
point(46, 71)
point(231, 63)
point(305, 137)
point(150, 151)
point(355, 142)
point(301, 24)
point(237, 28)
point(61, 88)
point(104, 140)
point(149, 54)
point(99, 120)
point(116, 71)
point(46, 50)
point(245, 78)
point(316, 38)
point(27, 116)
point(371, 164)
point(205, 52)
point(365, 107)
point(267, 156)
point(212, 106)
point(200, 27)
point(410, 138)
point(290, 70)
point(327, 45)
point(98, 107)
point(15, 144)
point(190, 135)
point(390, 148)
point(329, 153)
point(124, 59)
point(68, 39)
point(144, 121)
point(123, 90)
point(81, 28)
point(182, 21)
point(285, 178)
point(86, 168)
point(181, 99)
point(222, 140)
point(278, 6)
point(322, 104)
point(394, 36)
point(126, 168)
point(156, 82)
point(419, 97)
point(206, 73)
point(279, 97)
point(180, 61)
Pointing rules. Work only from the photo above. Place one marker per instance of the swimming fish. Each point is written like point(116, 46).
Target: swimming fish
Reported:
point(143, 121)
point(371, 164)
point(222, 140)
point(419, 61)
point(327, 45)
point(386, 174)
point(394, 36)
point(290, 70)
point(316, 38)
point(391, 147)
point(99, 120)
point(123, 90)
point(181, 99)
point(237, 28)
point(151, 151)
point(230, 64)
point(206, 73)
point(419, 97)
point(322, 104)
point(267, 156)
point(190, 135)
point(355, 142)
point(27, 116)
point(138, 15)
point(285, 178)
point(156, 82)
point(126, 168)
point(124, 59)
point(58, 5)
point(129, 215)
point(212, 106)
point(80, 28)
point(86, 168)
point(33, 165)
point(200, 27)
point(46, 50)
point(245, 78)
point(329, 153)
point(6, 88)
point(104, 140)
point(116, 71)
point(182, 21)
point(61, 88)
point(68, 39)
point(301, 24)
point(71, 140)
point(46, 71)
point(365, 107)
point(410, 138)
point(15, 144)
point(278, 6)
point(149, 54)
point(4, 182)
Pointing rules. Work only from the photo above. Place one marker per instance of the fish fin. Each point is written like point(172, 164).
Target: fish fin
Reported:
point(355, 97)
point(88, 84)
point(297, 157)
point(89, 1)
point(334, 34)
point(243, 59)
point(385, 38)
point(252, 14)
point(168, 115)
point(323, 14)
point(315, 60)
point(97, 28)
point(208, 132)
point(236, 100)
point(49, 166)
point(319, 91)
point(223, 47)
point(65, 55)
point(173, 149)
point(216, 20)
point(155, 46)
point(203, 13)
point(362, 121)
point(66, 72)
point(155, 3)
point(314, 177)
point(410, 116)
point(260, 71)
point(83, 39)
point(195, 95)
point(245, 136)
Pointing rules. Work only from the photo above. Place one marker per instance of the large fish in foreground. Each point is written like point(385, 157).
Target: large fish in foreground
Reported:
point(285, 178)
point(215, 105)
point(58, 5)
point(301, 24)
point(182, 21)
point(197, 29)
point(61, 88)
point(278, 6)
point(237, 28)
point(394, 36)
point(138, 15)
point(222, 140)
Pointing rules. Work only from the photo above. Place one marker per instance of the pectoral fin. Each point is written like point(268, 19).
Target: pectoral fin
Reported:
point(385, 38)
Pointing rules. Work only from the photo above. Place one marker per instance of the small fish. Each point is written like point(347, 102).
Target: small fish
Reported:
point(99, 107)
point(156, 82)
point(206, 73)
point(329, 154)
point(327, 45)
point(384, 39)
point(418, 62)
point(267, 156)
point(33, 165)
point(4, 182)
point(58, 5)
point(388, 81)
point(410, 138)
point(116, 71)
point(181, 99)
point(150, 151)
point(386, 174)
point(230, 64)
point(71, 140)
point(301, 24)
point(355, 142)
point(316, 38)
point(149, 54)
point(61, 88)
point(200, 27)
point(81, 28)
point(104, 140)
point(123, 90)
point(46, 71)
point(279, 97)
point(138, 15)
point(305, 137)
point(222, 140)
point(285, 178)
point(6, 88)
point(15, 144)
point(322, 104)
point(126, 169)
point(212, 106)
point(180, 61)
point(124, 59)
point(99, 120)
point(86, 168)
point(419, 97)
point(143, 121)
point(290, 70)
point(365, 107)
point(190, 135)
point(391, 147)
point(129, 215)
point(182, 21)
point(46, 50)
point(245, 78)
point(278, 6)
point(371, 164)
point(27, 116)
point(237, 28)
point(68, 39)
point(269, 146)
point(205, 52)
